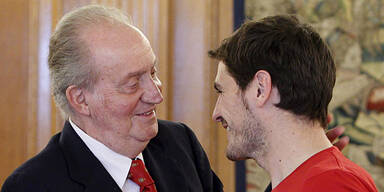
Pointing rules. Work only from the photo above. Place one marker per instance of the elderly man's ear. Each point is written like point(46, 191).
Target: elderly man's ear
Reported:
point(260, 88)
point(77, 100)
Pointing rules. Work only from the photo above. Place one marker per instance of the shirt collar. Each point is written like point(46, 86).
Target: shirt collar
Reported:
point(116, 164)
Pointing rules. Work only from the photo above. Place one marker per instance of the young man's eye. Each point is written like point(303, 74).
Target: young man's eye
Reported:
point(218, 91)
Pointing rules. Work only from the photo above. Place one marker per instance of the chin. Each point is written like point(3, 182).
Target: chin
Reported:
point(155, 131)
point(235, 157)
point(151, 131)
point(235, 154)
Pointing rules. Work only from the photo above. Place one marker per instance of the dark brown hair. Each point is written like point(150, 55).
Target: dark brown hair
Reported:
point(299, 62)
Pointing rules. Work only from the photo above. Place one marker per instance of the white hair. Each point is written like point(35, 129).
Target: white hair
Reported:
point(69, 58)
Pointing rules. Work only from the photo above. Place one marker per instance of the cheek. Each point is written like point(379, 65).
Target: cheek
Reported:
point(233, 108)
point(121, 104)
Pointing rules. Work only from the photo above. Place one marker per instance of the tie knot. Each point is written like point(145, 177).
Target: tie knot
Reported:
point(139, 174)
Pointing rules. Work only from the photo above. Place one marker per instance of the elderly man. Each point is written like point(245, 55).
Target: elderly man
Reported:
point(275, 80)
point(104, 80)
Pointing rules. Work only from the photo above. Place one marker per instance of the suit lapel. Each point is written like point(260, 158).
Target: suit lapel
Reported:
point(82, 165)
point(163, 168)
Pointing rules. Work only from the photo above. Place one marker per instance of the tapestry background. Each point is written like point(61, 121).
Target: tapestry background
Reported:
point(354, 30)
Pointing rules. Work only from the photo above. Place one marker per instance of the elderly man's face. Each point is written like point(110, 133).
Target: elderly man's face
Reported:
point(245, 133)
point(126, 92)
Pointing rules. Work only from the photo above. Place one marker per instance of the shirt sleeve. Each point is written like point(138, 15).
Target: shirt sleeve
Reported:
point(336, 180)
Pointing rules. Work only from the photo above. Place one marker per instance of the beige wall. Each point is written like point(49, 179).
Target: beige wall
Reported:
point(181, 33)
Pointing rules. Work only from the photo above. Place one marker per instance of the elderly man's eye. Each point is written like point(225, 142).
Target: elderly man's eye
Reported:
point(154, 73)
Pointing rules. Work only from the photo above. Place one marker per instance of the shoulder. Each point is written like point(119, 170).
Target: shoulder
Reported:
point(46, 166)
point(330, 169)
point(338, 180)
point(173, 126)
point(176, 136)
point(178, 130)
point(49, 158)
point(182, 145)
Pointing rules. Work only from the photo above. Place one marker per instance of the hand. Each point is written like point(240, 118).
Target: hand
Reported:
point(335, 133)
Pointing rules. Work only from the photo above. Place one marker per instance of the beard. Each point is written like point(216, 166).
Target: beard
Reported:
point(248, 140)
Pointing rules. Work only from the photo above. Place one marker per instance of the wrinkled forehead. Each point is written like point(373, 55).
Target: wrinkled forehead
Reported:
point(118, 40)
point(112, 35)
point(113, 46)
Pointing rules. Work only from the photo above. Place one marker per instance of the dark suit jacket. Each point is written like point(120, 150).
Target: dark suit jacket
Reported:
point(269, 188)
point(174, 158)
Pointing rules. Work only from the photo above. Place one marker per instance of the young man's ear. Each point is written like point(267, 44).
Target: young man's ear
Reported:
point(76, 99)
point(261, 87)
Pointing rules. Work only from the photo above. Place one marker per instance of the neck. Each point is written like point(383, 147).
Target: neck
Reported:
point(290, 145)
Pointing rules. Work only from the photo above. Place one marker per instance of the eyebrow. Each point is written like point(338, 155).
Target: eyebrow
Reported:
point(142, 71)
point(136, 73)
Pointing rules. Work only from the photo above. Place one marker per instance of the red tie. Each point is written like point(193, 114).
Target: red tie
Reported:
point(139, 174)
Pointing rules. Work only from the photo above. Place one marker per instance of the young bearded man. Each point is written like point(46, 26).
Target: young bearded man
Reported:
point(275, 80)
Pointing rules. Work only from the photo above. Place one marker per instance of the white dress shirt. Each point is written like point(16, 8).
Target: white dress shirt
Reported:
point(116, 164)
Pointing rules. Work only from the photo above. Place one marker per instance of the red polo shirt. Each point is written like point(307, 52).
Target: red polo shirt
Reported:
point(327, 170)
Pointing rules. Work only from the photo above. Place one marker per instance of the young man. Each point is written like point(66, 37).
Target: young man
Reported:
point(275, 80)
